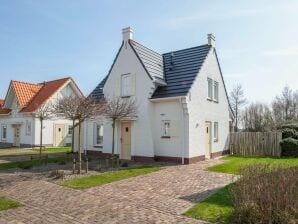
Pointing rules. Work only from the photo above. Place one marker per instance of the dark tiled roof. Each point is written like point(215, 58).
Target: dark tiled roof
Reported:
point(97, 93)
point(181, 68)
point(152, 61)
point(178, 69)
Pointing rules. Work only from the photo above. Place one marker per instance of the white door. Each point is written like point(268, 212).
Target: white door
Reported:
point(125, 141)
point(17, 136)
point(208, 140)
point(59, 134)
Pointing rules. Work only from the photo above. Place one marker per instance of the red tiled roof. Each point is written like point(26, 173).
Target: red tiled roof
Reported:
point(25, 91)
point(45, 92)
point(3, 110)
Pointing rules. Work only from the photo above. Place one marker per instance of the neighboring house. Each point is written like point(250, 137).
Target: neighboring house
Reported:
point(183, 113)
point(20, 127)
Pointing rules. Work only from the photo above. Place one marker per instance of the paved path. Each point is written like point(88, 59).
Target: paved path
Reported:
point(159, 197)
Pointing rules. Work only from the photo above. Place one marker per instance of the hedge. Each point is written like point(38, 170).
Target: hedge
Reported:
point(289, 133)
point(290, 126)
point(289, 147)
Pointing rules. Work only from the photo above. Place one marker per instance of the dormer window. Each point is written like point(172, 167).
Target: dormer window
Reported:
point(126, 85)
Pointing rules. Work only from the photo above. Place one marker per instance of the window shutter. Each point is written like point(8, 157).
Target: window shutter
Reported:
point(117, 89)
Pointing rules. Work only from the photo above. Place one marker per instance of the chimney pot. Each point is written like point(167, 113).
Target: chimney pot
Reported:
point(211, 39)
point(127, 33)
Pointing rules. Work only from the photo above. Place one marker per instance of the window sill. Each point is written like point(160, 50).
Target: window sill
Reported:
point(165, 136)
point(98, 146)
point(215, 140)
point(125, 96)
point(209, 99)
point(215, 101)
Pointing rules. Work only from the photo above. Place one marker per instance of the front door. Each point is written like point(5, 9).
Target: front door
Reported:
point(59, 135)
point(16, 136)
point(208, 140)
point(125, 140)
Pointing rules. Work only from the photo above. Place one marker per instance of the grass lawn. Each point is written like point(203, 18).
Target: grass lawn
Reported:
point(217, 208)
point(234, 163)
point(6, 203)
point(36, 151)
point(108, 177)
point(30, 163)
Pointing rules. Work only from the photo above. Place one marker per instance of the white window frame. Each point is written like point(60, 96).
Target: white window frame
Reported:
point(96, 134)
point(28, 131)
point(166, 129)
point(2, 132)
point(69, 130)
point(216, 91)
point(126, 85)
point(215, 131)
point(209, 91)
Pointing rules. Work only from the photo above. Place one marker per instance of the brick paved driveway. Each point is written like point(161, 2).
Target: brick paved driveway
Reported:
point(159, 197)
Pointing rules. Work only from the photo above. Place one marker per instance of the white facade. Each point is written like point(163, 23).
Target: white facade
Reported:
point(22, 129)
point(185, 116)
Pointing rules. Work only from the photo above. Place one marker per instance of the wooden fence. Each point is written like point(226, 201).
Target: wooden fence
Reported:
point(255, 143)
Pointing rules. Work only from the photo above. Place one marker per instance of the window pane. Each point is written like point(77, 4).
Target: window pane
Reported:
point(216, 91)
point(125, 85)
point(99, 134)
point(210, 88)
point(70, 129)
point(215, 130)
point(166, 128)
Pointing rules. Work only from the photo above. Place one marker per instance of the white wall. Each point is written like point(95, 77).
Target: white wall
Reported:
point(202, 110)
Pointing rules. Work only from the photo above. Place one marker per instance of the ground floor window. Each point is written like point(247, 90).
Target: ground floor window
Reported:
point(98, 134)
point(166, 128)
point(28, 128)
point(215, 131)
point(69, 132)
point(3, 132)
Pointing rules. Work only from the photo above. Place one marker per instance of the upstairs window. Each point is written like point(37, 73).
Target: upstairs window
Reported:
point(98, 134)
point(3, 132)
point(215, 131)
point(166, 128)
point(126, 85)
point(215, 91)
point(210, 89)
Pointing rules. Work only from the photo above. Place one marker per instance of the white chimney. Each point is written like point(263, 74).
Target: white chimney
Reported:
point(127, 34)
point(211, 39)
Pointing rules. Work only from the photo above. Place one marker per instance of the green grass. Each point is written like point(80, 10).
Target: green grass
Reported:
point(217, 208)
point(108, 177)
point(36, 151)
point(234, 163)
point(6, 203)
point(30, 163)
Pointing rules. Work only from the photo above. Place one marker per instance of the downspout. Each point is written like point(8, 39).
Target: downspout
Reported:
point(183, 130)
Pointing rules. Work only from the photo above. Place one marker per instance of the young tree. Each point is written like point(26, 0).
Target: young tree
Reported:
point(118, 108)
point(237, 101)
point(44, 112)
point(78, 109)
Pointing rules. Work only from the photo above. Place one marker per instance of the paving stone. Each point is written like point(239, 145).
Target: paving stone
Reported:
point(159, 197)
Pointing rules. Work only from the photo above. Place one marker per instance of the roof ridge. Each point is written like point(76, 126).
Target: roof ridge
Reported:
point(203, 45)
point(66, 78)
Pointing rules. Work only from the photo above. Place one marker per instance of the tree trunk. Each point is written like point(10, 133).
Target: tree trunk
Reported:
point(40, 146)
point(113, 138)
point(72, 137)
point(80, 150)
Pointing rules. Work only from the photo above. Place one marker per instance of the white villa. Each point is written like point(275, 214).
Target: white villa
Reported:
point(184, 114)
point(19, 125)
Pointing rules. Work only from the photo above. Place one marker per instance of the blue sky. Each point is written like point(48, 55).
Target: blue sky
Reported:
point(43, 40)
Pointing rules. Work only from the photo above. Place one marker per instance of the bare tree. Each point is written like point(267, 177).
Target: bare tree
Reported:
point(237, 101)
point(78, 109)
point(118, 108)
point(44, 112)
point(257, 117)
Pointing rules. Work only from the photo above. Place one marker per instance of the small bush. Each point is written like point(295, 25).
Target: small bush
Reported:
point(289, 133)
point(289, 147)
point(125, 164)
point(265, 194)
point(290, 126)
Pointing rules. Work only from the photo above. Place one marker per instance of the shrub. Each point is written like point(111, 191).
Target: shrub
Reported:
point(290, 126)
point(289, 147)
point(289, 133)
point(265, 194)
